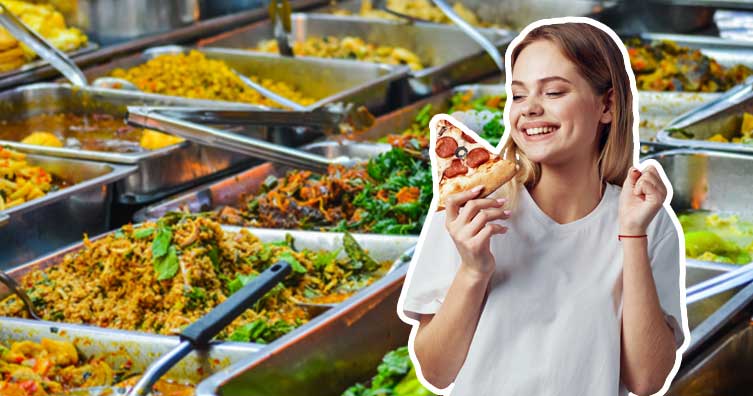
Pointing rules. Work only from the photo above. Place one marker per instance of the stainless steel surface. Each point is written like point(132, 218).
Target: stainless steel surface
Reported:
point(327, 80)
point(720, 116)
point(380, 248)
point(742, 277)
point(451, 57)
point(160, 171)
point(11, 285)
point(42, 47)
point(357, 151)
point(159, 368)
point(113, 21)
point(60, 217)
point(234, 142)
point(4, 219)
point(279, 14)
point(479, 38)
point(720, 364)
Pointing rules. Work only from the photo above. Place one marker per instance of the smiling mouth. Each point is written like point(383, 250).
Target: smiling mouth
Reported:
point(540, 130)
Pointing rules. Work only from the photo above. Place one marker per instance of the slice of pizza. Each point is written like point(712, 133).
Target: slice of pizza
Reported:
point(463, 163)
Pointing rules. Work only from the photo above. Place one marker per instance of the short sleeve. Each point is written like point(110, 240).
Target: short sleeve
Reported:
point(433, 267)
point(665, 266)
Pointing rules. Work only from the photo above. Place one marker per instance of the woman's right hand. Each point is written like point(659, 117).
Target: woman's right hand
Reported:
point(471, 228)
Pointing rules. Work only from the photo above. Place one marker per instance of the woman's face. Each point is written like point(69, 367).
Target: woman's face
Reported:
point(555, 115)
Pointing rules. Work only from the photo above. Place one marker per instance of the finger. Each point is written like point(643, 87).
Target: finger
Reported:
point(632, 177)
point(455, 201)
point(489, 230)
point(484, 217)
point(656, 180)
point(473, 207)
point(644, 186)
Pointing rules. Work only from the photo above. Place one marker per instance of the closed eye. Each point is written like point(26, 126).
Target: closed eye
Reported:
point(516, 98)
point(554, 94)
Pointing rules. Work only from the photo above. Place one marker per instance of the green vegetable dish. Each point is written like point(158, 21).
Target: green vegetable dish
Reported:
point(389, 194)
point(395, 376)
point(712, 237)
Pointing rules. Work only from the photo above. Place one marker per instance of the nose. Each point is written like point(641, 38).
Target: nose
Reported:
point(532, 106)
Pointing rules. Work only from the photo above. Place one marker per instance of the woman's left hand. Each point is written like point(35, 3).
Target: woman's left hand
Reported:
point(642, 196)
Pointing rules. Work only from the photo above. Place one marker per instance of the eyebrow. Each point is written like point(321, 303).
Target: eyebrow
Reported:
point(544, 80)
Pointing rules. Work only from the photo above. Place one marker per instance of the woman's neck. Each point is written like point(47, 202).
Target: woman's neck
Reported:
point(569, 192)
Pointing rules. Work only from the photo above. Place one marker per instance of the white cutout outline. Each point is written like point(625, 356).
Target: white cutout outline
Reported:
point(496, 150)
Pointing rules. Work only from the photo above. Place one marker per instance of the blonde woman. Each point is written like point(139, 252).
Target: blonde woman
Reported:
point(570, 284)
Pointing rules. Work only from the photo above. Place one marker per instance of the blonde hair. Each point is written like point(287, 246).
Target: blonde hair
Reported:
point(598, 58)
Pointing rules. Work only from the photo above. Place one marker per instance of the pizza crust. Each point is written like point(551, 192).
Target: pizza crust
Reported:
point(491, 175)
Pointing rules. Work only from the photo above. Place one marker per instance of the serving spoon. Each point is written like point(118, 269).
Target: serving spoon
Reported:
point(11, 284)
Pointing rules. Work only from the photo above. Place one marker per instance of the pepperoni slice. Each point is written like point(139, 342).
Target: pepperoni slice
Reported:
point(446, 147)
point(468, 138)
point(477, 157)
point(456, 168)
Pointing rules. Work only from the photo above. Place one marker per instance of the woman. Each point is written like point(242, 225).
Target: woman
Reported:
point(533, 293)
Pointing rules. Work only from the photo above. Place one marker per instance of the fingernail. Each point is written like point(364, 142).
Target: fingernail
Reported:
point(501, 200)
point(477, 188)
point(507, 212)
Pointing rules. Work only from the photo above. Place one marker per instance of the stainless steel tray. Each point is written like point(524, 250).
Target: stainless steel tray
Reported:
point(380, 247)
point(723, 365)
point(722, 115)
point(452, 57)
point(330, 80)
point(59, 218)
point(658, 109)
point(515, 15)
point(160, 172)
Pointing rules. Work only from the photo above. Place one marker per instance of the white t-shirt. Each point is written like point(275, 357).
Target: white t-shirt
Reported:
point(551, 323)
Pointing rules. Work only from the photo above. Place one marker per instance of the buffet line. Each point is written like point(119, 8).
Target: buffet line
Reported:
point(233, 158)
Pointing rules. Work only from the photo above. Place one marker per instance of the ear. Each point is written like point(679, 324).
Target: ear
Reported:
point(607, 113)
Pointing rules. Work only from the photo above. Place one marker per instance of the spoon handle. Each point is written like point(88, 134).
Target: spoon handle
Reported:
point(11, 284)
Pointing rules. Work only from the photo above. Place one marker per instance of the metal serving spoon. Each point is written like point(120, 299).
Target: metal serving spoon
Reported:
point(11, 284)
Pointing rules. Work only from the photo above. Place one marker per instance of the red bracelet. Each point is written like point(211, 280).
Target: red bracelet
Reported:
point(619, 237)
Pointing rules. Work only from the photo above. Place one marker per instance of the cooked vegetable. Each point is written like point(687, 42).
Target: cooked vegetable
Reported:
point(22, 182)
point(711, 237)
point(422, 9)
point(193, 75)
point(666, 66)
point(741, 133)
point(43, 19)
point(161, 277)
point(348, 47)
point(395, 376)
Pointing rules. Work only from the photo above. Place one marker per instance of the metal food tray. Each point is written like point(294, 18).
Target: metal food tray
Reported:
point(723, 366)
point(515, 15)
point(232, 190)
point(380, 247)
point(723, 115)
point(332, 357)
point(663, 107)
point(330, 80)
point(59, 218)
point(452, 56)
point(160, 172)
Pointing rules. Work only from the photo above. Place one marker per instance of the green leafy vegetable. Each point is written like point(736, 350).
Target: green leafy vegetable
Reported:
point(239, 281)
point(360, 260)
point(294, 263)
point(143, 233)
point(261, 331)
point(167, 265)
point(162, 241)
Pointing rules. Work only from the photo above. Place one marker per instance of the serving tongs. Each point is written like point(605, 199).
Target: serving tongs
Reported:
point(279, 13)
point(42, 47)
point(466, 27)
point(184, 122)
point(198, 335)
point(734, 96)
point(720, 284)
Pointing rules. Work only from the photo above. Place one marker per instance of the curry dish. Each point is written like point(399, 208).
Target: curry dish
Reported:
point(98, 132)
point(161, 277)
point(195, 76)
